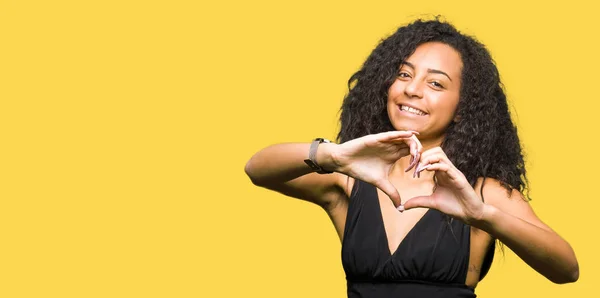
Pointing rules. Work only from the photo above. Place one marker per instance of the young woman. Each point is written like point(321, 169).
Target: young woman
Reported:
point(427, 174)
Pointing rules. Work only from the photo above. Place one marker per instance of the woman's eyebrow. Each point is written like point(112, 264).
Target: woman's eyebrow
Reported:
point(429, 70)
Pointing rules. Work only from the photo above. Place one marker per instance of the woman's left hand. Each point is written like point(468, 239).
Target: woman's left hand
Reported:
point(453, 194)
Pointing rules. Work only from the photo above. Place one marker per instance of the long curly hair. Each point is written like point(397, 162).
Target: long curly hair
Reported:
point(482, 143)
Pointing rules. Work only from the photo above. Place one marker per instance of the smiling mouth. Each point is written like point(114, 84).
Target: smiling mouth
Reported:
point(412, 110)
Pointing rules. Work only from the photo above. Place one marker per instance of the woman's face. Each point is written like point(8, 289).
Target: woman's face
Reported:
point(425, 94)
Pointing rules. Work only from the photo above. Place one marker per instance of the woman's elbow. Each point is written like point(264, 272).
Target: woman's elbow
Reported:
point(574, 274)
point(570, 276)
point(249, 170)
point(252, 172)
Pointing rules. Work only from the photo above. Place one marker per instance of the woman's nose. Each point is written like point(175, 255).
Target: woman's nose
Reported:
point(414, 89)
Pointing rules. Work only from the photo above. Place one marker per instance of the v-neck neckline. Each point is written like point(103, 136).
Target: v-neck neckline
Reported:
point(385, 232)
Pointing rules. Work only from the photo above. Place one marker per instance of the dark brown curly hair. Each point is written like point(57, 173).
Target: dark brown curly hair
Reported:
point(483, 143)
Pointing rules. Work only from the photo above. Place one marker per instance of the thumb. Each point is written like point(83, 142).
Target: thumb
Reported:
point(388, 188)
point(421, 201)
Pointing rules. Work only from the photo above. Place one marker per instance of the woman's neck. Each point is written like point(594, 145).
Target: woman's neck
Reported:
point(398, 170)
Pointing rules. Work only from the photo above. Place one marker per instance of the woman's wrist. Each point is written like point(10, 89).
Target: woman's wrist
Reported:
point(485, 220)
point(327, 157)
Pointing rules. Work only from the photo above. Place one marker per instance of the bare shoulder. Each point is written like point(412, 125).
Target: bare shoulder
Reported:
point(510, 201)
point(494, 192)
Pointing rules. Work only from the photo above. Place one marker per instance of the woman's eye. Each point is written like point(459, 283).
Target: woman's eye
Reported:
point(437, 85)
point(403, 75)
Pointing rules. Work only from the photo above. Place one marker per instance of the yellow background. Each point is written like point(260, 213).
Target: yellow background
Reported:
point(125, 127)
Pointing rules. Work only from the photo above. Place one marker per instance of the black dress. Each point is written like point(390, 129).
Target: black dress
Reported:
point(431, 261)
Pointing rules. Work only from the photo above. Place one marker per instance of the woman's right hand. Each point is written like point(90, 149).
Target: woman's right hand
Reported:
point(370, 158)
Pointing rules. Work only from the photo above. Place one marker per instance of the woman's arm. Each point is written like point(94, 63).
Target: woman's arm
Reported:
point(505, 216)
point(511, 219)
point(281, 168)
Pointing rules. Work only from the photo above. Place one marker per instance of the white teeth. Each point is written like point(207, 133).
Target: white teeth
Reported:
point(412, 110)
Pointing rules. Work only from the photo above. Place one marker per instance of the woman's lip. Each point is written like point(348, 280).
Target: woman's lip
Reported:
point(410, 113)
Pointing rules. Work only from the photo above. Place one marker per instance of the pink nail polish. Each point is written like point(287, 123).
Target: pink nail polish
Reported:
point(413, 162)
point(424, 168)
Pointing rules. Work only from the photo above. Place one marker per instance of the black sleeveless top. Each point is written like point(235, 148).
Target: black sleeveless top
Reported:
point(431, 261)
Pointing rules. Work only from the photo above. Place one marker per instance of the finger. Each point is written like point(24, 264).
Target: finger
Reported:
point(424, 162)
point(401, 139)
point(433, 151)
point(414, 152)
point(431, 159)
point(421, 202)
point(391, 135)
point(419, 145)
point(418, 156)
point(390, 190)
point(441, 167)
point(417, 162)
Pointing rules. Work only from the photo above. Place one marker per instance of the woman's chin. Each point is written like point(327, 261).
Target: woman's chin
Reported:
point(407, 127)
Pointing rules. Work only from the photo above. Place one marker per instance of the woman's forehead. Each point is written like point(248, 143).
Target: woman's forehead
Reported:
point(438, 56)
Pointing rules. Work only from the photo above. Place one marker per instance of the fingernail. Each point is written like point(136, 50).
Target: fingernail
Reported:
point(418, 167)
point(423, 168)
point(413, 161)
point(400, 208)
